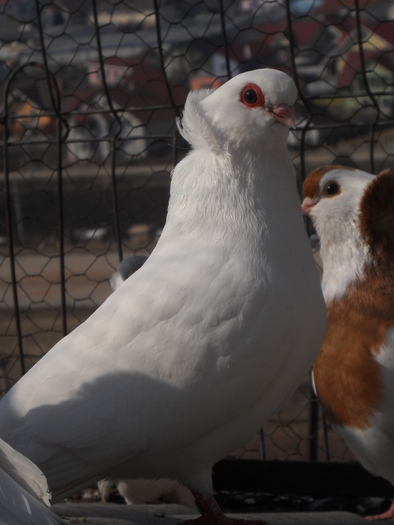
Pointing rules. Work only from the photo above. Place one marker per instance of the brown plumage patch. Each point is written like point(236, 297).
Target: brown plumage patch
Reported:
point(377, 217)
point(347, 377)
point(311, 184)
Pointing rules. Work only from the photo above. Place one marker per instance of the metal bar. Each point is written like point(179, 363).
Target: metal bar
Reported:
point(262, 445)
point(61, 224)
point(102, 69)
point(115, 201)
point(326, 440)
point(56, 104)
point(313, 425)
point(175, 148)
point(54, 95)
point(44, 56)
point(306, 127)
point(8, 210)
point(366, 83)
point(115, 136)
point(224, 37)
point(161, 56)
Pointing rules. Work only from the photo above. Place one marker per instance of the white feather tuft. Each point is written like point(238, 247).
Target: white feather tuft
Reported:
point(193, 125)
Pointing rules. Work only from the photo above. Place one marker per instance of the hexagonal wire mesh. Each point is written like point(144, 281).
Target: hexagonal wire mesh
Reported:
point(90, 90)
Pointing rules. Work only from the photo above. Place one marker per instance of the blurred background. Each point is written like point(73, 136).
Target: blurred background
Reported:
point(89, 93)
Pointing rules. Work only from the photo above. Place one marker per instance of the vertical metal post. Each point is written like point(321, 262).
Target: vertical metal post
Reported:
point(367, 88)
point(326, 441)
point(313, 425)
point(116, 135)
point(56, 104)
point(262, 445)
point(8, 210)
point(300, 93)
point(224, 38)
point(161, 57)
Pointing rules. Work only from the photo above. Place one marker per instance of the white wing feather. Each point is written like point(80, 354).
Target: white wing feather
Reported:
point(23, 491)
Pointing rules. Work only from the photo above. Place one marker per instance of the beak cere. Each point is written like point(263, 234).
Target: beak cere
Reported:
point(284, 115)
point(307, 205)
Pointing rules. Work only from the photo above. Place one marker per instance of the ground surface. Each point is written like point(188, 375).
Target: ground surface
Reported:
point(112, 514)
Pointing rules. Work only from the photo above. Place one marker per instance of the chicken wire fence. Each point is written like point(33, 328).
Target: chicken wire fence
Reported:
point(90, 90)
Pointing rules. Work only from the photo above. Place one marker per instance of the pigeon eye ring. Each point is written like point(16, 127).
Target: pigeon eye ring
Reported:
point(252, 96)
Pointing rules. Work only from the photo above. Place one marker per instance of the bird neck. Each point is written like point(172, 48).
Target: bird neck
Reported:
point(231, 194)
point(345, 257)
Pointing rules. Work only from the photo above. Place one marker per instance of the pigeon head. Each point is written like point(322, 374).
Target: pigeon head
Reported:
point(353, 213)
point(254, 108)
point(332, 195)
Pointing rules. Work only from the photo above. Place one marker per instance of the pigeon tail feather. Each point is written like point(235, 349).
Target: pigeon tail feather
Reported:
point(23, 491)
point(24, 472)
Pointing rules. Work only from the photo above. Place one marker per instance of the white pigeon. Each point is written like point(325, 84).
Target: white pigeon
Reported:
point(195, 351)
point(141, 491)
point(353, 212)
point(24, 495)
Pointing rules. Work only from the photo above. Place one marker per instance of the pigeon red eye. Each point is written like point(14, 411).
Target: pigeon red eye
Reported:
point(252, 96)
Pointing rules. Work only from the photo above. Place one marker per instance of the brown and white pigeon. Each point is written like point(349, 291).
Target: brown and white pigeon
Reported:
point(195, 351)
point(353, 213)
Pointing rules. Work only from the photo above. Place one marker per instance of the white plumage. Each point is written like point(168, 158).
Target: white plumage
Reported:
point(140, 491)
point(24, 495)
point(189, 357)
point(353, 212)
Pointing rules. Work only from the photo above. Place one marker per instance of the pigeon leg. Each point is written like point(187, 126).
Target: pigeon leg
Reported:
point(212, 514)
point(388, 515)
